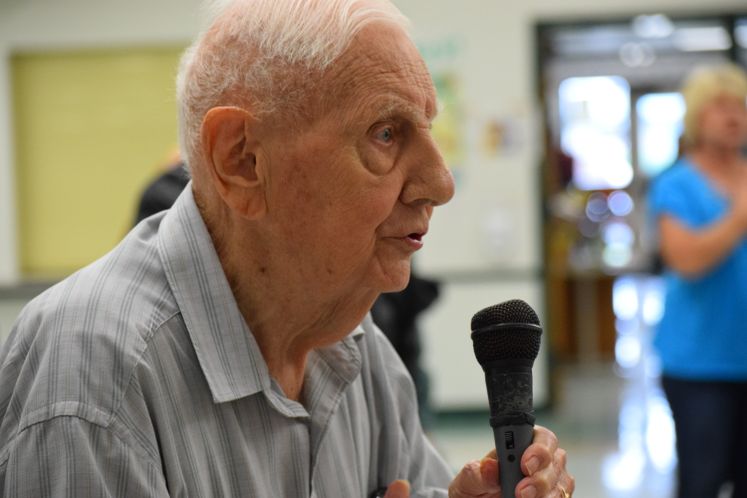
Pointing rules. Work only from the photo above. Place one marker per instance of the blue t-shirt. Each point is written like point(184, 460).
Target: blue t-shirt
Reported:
point(703, 333)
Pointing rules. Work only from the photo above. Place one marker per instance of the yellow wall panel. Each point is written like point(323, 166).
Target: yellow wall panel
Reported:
point(91, 128)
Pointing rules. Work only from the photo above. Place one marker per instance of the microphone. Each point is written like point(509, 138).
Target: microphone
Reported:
point(506, 340)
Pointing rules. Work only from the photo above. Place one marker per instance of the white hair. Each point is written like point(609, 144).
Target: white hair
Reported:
point(267, 54)
point(703, 85)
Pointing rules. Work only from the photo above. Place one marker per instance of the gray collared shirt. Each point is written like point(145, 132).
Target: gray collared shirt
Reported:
point(137, 376)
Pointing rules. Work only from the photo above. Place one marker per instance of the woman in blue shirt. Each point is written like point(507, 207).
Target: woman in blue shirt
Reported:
point(700, 209)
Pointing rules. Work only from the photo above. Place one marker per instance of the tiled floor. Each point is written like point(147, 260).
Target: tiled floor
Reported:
point(617, 432)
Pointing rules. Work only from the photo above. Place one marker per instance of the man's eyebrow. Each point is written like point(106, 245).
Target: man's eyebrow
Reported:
point(397, 107)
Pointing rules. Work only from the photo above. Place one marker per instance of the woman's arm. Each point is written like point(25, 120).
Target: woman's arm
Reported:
point(693, 252)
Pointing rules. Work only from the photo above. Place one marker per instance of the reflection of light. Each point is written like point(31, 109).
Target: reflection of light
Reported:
point(653, 367)
point(653, 26)
point(620, 203)
point(632, 419)
point(626, 326)
point(595, 121)
point(653, 307)
point(618, 233)
point(628, 351)
point(660, 435)
point(661, 116)
point(661, 107)
point(625, 298)
point(620, 174)
point(617, 255)
point(701, 39)
point(624, 471)
point(601, 159)
point(618, 238)
point(605, 99)
point(740, 34)
point(596, 207)
point(646, 436)
point(634, 54)
point(658, 148)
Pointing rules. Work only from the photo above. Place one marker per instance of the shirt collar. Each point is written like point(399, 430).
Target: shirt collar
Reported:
point(229, 356)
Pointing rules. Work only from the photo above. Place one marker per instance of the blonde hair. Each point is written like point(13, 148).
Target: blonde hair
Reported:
point(267, 54)
point(703, 85)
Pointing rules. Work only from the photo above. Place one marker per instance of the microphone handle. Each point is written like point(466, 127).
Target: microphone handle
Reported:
point(509, 384)
point(511, 441)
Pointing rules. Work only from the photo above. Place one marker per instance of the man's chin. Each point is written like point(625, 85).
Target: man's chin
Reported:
point(396, 282)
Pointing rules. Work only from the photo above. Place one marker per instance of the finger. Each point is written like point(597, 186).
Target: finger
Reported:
point(565, 480)
point(549, 479)
point(568, 482)
point(489, 471)
point(398, 489)
point(491, 454)
point(546, 437)
point(476, 478)
point(540, 453)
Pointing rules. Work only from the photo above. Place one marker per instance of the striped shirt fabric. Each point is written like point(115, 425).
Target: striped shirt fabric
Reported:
point(138, 377)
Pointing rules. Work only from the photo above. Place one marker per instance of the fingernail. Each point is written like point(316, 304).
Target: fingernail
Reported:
point(532, 465)
point(529, 492)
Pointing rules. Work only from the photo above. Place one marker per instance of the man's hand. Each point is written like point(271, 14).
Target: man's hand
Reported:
point(543, 463)
point(398, 489)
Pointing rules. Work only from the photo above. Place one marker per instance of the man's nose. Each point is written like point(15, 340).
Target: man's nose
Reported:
point(430, 180)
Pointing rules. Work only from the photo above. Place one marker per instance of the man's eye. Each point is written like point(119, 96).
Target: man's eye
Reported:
point(385, 135)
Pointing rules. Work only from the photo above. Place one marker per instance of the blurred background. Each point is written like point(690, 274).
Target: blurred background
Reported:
point(555, 117)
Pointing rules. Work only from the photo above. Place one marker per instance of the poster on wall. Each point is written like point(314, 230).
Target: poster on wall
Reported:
point(492, 222)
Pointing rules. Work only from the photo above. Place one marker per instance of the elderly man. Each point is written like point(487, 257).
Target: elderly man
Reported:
point(224, 348)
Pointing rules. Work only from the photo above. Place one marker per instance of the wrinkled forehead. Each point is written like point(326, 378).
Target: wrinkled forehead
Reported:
point(382, 68)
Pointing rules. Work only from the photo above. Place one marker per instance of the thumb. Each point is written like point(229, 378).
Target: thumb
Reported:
point(398, 489)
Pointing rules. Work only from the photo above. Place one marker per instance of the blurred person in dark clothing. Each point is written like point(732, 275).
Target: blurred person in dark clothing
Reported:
point(162, 191)
point(396, 314)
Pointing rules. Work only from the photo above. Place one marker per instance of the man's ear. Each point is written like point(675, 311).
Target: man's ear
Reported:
point(231, 149)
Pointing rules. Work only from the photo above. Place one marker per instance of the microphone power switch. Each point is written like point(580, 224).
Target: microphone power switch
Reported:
point(509, 436)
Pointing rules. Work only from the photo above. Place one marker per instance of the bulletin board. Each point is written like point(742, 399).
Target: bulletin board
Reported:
point(91, 128)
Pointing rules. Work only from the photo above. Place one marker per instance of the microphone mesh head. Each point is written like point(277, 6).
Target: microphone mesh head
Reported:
point(506, 331)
